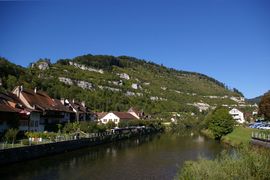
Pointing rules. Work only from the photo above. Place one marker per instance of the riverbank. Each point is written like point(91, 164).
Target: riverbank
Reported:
point(12, 155)
point(245, 162)
point(240, 136)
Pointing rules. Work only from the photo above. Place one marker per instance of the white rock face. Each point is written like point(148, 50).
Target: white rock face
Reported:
point(201, 106)
point(81, 84)
point(124, 76)
point(43, 65)
point(179, 92)
point(83, 67)
point(147, 83)
point(155, 98)
point(163, 88)
point(109, 88)
point(65, 80)
point(117, 83)
point(238, 99)
point(129, 93)
point(84, 84)
point(136, 86)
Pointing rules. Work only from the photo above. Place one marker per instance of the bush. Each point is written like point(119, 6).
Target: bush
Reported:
point(220, 123)
point(246, 163)
point(10, 135)
point(25, 142)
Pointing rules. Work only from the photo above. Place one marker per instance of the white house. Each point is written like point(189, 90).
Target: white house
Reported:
point(237, 115)
point(115, 117)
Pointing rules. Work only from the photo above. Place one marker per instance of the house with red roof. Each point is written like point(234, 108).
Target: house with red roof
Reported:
point(135, 112)
point(82, 112)
point(52, 110)
point(12, 108)
point(115, 117)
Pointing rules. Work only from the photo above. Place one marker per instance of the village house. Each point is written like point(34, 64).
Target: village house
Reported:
point(15, 109)
point(115, 117)
point(82, 112)
point(51, 111)
point(237, 115)
point(135, 112)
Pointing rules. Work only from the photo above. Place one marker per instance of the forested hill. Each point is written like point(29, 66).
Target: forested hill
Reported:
point(116, 83)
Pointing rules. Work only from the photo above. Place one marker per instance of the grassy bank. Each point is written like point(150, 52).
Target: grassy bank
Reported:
point(239, 136)
point(245, 163)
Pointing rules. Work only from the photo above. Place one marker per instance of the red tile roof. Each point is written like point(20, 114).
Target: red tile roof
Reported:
point(7, 108)
point(124, 115)
point(101, 114)
point(61, 107)
point(39, 99)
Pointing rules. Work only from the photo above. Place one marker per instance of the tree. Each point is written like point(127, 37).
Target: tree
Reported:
point(11, 135)
point(221, 122)
point(110, 125)
point(264, 106)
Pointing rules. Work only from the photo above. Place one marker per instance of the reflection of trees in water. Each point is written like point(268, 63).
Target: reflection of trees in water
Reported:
point(73, 159)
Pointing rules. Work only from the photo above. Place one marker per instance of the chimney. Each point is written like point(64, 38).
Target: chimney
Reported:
point(63, 101)
point(83, 103)
point(20, 89)
point(73, 101)
point(35, 90)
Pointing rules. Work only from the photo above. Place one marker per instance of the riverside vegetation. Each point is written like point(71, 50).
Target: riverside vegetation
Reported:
point(243, 162)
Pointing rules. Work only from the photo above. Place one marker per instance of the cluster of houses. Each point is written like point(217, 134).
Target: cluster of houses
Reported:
point(35, 109)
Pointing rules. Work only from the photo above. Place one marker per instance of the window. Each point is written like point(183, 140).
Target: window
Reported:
point(115, 120)
point(36, 123)
point(104, 120)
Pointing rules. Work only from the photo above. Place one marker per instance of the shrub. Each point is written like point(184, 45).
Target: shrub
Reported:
point(245, 163)
point(10, 135)
point(221, 123)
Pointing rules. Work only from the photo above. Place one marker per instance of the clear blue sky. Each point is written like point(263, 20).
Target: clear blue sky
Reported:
point(226, 39)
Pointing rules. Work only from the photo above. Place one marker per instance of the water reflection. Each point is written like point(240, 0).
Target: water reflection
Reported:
point(150, 157)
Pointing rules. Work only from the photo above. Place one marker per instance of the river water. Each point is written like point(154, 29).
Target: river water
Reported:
point(152, 157)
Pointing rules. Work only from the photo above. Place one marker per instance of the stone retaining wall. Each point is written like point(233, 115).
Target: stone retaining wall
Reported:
point(12, 155)
point(258, 142)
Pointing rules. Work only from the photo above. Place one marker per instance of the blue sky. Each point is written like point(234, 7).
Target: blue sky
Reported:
point(225, 39)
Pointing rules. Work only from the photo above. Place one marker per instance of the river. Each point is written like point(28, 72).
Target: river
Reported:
point(152, 157)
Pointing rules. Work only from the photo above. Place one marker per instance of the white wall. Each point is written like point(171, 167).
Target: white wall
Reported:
point(35, 122)
point(110, 117)
point(237, 115)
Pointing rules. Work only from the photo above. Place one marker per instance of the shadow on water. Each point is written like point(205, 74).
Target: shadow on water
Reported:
point(156, 156)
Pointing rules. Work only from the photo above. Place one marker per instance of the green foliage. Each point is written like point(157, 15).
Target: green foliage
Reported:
point(264, 106)
point(10, 135)
point(246, 163)
point(43, 135)
point(71, 127)
point(240, 136)
point(110, 125)
point(180, 84)
point(185, 122)
point(220, 122)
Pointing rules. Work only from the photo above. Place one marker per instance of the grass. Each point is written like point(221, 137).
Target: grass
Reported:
point(240, 136)
point(244, 163)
